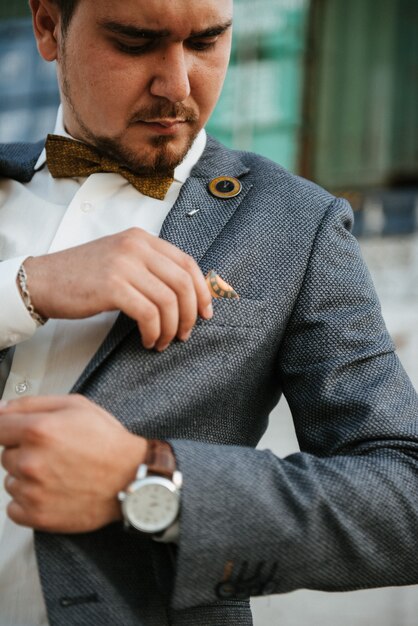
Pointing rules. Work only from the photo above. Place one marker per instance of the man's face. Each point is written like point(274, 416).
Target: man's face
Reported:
point(140, 78)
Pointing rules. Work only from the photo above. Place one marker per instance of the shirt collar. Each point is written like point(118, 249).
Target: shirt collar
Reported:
point(182, 171)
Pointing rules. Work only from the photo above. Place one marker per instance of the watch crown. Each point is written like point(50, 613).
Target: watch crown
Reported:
point(177, 479)
point(121, 496)
point(142, 471)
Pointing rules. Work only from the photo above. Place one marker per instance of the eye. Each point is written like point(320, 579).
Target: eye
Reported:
point(202, 44)
point(134, 50)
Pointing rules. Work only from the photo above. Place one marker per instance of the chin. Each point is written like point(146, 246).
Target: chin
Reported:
point(159, 154)
point(145, 155)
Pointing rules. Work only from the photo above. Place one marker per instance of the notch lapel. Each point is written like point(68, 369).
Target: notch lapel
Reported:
point(196, 234)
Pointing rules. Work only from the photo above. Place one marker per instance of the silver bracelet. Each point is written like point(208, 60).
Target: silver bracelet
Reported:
point(24, 292)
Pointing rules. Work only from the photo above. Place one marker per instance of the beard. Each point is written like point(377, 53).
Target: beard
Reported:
point(159, 156)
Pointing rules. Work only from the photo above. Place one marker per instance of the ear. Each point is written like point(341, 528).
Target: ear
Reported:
point(46, 21)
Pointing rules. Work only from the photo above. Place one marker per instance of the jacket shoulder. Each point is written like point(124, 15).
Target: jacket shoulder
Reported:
point(275, 181)
point(273, 185)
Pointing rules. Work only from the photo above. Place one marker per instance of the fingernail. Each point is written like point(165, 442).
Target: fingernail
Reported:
point(208, 312)
point(162, 348)
point(3, 404)
point(185, 336)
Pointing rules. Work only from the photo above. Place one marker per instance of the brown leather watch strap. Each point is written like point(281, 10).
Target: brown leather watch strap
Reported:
point(160, 458)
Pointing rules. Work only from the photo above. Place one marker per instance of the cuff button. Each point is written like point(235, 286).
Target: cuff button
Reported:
point(225, 591)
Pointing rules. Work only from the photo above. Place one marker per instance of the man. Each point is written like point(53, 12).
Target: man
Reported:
point(138, 82)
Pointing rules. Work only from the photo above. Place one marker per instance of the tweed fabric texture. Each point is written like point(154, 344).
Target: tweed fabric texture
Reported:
point(340, 515)
point(67, 158)
point(18, 160)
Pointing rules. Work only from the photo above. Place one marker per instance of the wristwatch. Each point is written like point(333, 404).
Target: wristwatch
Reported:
point(151, 504)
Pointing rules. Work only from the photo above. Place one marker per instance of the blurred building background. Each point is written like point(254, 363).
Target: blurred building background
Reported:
point(329, 89)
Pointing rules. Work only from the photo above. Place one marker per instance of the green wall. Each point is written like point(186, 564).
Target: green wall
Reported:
point(366, 92)
point(260, 108)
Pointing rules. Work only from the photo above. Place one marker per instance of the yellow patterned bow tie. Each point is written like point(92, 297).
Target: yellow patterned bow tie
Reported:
point(67, 159)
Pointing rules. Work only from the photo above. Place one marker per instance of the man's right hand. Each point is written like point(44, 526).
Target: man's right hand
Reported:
point(149, 279)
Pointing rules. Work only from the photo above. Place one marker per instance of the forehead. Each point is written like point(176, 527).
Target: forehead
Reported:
point(179, 17)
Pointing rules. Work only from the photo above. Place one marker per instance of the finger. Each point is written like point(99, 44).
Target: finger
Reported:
point(11, 485)
point(36, 404)
point(26, 493)
point(181, 287)
point(204, 297)
point(9, 460)
point(27, 505)
point(143, 311)
point(164, 298)
point(159, 283)
point(187, 263)
point(12, 429)
point(19, 514)
point(18, 430)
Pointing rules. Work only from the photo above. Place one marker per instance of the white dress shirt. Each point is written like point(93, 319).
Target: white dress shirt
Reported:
point(44, 216)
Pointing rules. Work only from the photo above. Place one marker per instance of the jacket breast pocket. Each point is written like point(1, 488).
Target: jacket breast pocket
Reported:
point(242, 313)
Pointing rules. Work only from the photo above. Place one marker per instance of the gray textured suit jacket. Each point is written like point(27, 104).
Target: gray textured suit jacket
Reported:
point(340, 515)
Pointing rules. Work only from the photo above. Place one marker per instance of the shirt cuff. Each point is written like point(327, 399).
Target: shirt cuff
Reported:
point(16, 323)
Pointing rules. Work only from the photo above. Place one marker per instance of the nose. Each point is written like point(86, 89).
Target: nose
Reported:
point(171, 79)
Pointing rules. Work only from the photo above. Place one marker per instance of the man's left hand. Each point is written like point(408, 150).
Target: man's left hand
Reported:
point(66, 460)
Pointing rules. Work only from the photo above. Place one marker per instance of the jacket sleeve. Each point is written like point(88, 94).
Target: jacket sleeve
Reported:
point(341, 514)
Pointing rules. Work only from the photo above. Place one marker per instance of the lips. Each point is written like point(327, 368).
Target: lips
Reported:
point(166, 123)
point(164, 126)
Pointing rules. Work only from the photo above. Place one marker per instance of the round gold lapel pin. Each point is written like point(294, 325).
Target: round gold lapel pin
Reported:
point(225, 187)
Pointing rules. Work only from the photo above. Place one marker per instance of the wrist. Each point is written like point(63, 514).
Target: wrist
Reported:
point(130, 454)
point(134, 453)
point(33, 283)
point(159, 458)
point(155, 453)
point(151, 503)
point(26, 294)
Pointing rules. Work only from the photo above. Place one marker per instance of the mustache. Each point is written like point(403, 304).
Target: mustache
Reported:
point(165, 110)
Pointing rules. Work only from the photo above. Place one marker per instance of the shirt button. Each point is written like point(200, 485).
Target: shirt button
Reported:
point(86, 207)
point(22, 387)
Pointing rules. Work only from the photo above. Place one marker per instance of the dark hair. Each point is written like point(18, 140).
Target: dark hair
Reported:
point(67, 8)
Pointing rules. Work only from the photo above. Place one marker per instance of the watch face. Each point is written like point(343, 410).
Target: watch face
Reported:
point(153, 506)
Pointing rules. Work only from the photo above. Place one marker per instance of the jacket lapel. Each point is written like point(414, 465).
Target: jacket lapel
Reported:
point(121, 328)
point(194, 234)
point(18, 160)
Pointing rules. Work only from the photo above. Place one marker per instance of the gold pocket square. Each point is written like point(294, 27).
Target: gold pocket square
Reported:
point(219, 288)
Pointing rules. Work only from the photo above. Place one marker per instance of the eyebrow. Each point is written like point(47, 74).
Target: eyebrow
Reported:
point(135, 32)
